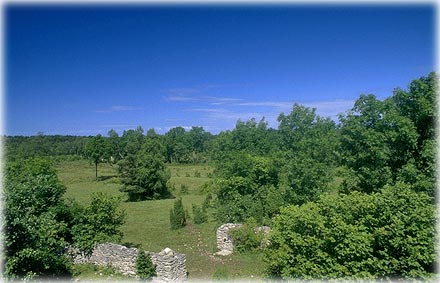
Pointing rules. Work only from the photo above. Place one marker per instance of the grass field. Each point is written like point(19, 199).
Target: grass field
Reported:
point(147, 222)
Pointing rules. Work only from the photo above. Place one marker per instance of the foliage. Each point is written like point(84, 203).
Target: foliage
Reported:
point(199, 214)
point(389, 234)
point(145, 177)
point(246, 238)
point(392, 140)
point(34, 226)
point(186, 147)
point(177, 215)
point(40, 145)
point(96, 150)
point(99, 222)
point(144, 266)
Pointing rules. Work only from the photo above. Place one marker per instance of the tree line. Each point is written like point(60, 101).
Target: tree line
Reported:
point(353, 199)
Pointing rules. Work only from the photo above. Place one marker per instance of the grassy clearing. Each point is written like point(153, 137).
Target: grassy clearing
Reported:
point(147, 222)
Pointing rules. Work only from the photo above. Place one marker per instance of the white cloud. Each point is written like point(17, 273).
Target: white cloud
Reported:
point(331, 108)
point(118, 108)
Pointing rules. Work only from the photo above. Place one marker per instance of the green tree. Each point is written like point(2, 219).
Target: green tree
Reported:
point(144, 266)
point(147, 177)
point(97, 151)
point(99, 222)
point(177, 215)
point(114, 144)
point(392, 140)
point(386, 235)
point(35, 233)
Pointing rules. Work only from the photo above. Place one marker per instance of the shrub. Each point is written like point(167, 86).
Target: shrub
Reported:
point(386, 235)
point(177, 215)
point(144, 266)
point(200, 215)
point(98, 222)
point(246, 238)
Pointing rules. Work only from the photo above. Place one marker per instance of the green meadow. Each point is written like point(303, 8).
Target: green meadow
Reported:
point(147, 222)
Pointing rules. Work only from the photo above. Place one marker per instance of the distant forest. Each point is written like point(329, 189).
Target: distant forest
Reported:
point(353, 199)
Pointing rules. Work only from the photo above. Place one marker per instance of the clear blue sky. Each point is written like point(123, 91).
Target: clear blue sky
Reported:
point(83, 70)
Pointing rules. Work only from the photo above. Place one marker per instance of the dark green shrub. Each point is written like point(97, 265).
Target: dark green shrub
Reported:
point(199, 214)
point(144, 266)
point(177, 215)
point(246, 238)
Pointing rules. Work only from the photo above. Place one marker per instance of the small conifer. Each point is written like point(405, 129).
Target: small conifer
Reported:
point(144, 266)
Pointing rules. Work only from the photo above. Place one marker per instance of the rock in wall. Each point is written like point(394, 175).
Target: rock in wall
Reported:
point(170, 266)
point(225, 243)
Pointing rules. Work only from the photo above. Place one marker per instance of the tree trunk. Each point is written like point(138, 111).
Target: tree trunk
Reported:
point(96, 170)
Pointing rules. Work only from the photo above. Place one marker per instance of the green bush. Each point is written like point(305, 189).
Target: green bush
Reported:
point(245, 237)
point(144, 266)
point(199, 214)
point(388, 235)
point(98, 222)
point(177, 215)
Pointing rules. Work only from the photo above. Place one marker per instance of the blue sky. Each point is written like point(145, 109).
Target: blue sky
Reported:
point(83, 70)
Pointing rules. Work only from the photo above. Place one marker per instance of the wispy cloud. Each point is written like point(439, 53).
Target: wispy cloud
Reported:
point(330, 108)
point(214, 100)
point(118, 108)
point(199, 88)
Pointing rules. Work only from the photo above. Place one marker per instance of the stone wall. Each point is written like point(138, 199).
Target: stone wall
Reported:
point(225, 243)
point(170, 266)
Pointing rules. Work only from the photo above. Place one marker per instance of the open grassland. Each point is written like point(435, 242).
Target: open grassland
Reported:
point(147, 222)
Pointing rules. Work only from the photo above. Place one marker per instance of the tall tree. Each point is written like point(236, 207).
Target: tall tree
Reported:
point(34, 231)
point(114, 144)
point(148, 175)
point(392, 140)
point(97, 151)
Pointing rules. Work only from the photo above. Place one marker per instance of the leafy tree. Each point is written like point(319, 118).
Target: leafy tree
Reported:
point(147, 178)
point(177, 215)
point(392, 140)
point(304, 178)
point(99, 222)
point(145, 268)
point(34, 231)
point(39, 223)
point(387, 235)
point(114, 144)
point(97, 151)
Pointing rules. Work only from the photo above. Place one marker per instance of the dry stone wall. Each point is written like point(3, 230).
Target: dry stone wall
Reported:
point(170, 266)
point(225, 243)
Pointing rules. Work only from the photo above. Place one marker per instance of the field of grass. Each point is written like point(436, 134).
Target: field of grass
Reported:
point(147, 222)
